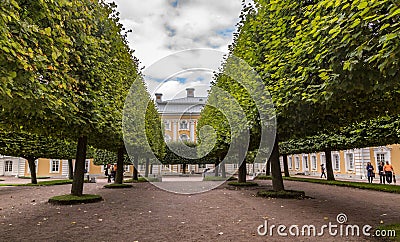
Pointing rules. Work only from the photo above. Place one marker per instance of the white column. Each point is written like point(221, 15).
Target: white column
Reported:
point(175, 130)
point(191, 123)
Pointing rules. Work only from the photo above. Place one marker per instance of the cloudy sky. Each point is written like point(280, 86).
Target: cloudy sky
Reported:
point(164, 27)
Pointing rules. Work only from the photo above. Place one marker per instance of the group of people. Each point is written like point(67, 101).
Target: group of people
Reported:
point(385, 171)
point(109, 171)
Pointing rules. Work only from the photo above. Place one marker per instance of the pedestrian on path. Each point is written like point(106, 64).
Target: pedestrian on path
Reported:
point(370, 172)
point(388, 168)
point(323, 171)
point(381, 173)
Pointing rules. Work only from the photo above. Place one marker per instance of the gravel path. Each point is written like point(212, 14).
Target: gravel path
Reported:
point(146, 213)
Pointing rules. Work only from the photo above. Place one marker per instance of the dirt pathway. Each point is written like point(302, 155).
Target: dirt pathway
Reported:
point(145, 213)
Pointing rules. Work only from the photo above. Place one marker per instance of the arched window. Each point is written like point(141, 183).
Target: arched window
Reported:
point(184, 137)
point(183, 124)
point(167, 138)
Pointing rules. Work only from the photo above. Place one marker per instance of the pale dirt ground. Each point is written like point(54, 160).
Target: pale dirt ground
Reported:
point(146, 213)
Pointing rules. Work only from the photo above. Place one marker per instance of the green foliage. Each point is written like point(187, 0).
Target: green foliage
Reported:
point(291, 194)
point(103, 157)
point(39, 177)
point(71, 199)
point(144, 179)
point(391, 227)
point(42, 183)
point(184, 153)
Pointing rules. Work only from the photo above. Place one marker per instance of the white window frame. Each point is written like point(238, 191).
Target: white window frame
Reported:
point(167, 138)
point(296, 163)
point(290, 160)
point(7, 165)
point(305, 162)
point(126, 168)
point(167, 124)
point(336, 162)
point(382, 150)
point(347, 156)
point(323, 158)
point(87, 165)
point(58, 166)
point(314, 162)
point(181, 125)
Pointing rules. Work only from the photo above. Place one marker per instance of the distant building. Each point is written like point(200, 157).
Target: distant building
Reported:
point(180, 115)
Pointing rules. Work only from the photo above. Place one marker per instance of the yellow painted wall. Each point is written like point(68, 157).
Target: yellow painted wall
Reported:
point(395, 157)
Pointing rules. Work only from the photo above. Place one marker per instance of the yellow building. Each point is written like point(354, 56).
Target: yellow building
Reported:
point(180, 115)
point(56, 168)
point(346, 163)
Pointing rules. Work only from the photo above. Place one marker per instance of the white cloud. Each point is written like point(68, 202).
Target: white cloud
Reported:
point(160, 29)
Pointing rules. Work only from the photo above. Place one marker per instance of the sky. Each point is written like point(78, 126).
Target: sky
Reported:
point(164, 27)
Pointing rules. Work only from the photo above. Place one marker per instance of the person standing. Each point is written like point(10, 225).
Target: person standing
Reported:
point(382, 178)
point(323, 171)
point(388, 169)
point(370, 172)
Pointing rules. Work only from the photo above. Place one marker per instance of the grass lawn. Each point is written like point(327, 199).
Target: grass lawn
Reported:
point(389, 228)
point(142, 179)
point(42, 183)
point(69, 199)
point(360, 185)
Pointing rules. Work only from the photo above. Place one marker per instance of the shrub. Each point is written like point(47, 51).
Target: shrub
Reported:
point(115, 185)
point(243, 184)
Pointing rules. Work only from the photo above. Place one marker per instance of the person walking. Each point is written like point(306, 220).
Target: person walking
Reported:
point(323, 171)
point(388, 169)
point(382, 178)
point(370, 172)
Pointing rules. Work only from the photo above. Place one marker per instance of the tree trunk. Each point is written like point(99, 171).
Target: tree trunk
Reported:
point(119, 176)
point(285, 166)
point(151, 168)
point(184, 168)
point(216, 168)
point(223, 172)
point(70, 169)
point(277, 181)
point(77, 183)
point(32, 168)
point(268, 167)
point(135, 168)
point(329, 169)
point(242, 172)
point(146, 172)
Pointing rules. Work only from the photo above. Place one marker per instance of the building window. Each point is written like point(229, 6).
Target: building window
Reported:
point(290, 162)
point(167, 138)
point(323, 159)
point(183, 124)
point(350, 161)
point(167, 125)
point(55, 165)
point(305, 160)
point(297, 163)
point(184, 137)
point(380, 158)
point(202, 165)
point(126, 168)
point(336, 162)
point(314, 162)
point(87, 165)
point(9, 166)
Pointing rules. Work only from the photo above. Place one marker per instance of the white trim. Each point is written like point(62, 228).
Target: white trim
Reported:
point(334, 154)
point(188, 137)
point(296, 162)
point(166, 121)
point(36, 166)
point(382, 150)
point(87, 161)
point(347, 154)
point(290, 162)
point(305, 162)
point(314, 162)
point(51, 166)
